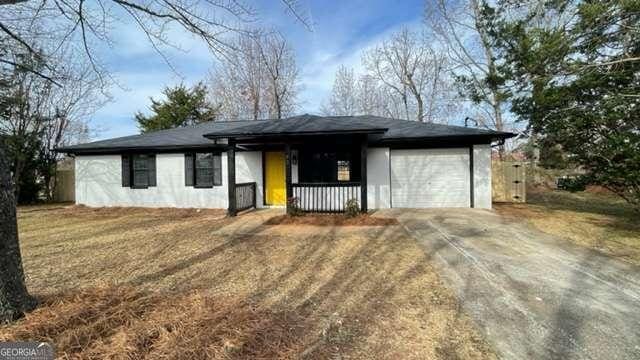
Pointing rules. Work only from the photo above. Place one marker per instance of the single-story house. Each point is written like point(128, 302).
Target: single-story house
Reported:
point(317, 163)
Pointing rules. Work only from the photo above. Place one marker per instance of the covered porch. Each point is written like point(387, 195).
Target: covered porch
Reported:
point(313, 173)
point(318, 173)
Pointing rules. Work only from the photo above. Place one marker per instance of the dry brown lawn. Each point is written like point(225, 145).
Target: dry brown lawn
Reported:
point(595, 219)
point(132, 283)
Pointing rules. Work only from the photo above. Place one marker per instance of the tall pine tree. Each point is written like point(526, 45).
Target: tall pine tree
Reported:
point(574, 67)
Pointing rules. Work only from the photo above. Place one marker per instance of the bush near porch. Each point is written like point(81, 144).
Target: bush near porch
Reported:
point(196, 284)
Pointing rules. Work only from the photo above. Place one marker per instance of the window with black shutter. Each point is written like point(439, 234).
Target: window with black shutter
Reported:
point(139, 171)
point(203, 170)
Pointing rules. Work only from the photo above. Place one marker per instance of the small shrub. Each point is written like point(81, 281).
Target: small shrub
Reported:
point(572, 183)
point(294, 207)
point(352, 208)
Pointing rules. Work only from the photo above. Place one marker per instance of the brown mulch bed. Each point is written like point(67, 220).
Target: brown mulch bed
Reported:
point(331, 220)
point(122, 322)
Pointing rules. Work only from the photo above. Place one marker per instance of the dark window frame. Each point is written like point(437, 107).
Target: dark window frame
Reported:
point(216, 170)
point(343, 166)
point(136, 159)
point(150, 170)
point(320, 165)
point(208, 183)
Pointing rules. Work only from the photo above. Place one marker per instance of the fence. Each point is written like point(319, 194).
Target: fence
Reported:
point(508, 181)
point(65, 186)
point(325, 197)
point(245, 196)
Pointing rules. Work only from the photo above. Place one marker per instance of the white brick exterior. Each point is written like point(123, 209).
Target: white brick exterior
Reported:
point(482, 176)
point(378, 183)
point(99, 182)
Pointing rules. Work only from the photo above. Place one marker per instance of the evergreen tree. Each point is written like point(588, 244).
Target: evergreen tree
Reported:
point(574, 68)
point(182, 107)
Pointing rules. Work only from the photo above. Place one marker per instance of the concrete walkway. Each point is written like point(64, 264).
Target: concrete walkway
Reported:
point(534, 296)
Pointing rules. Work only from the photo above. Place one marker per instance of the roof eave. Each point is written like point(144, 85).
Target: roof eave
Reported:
point(485, 137)
point(125, 149)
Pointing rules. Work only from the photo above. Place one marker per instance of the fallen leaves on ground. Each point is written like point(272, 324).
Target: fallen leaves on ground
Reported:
point(332, 220)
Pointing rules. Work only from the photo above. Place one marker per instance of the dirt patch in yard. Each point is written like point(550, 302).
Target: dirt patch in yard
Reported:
point(361, 291)
point(331, 220)
point(594, 219)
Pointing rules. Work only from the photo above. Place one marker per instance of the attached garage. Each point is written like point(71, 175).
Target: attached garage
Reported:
point(428, 178)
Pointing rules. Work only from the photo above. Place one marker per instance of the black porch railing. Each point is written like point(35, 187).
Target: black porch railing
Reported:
point(325, 197)
point(245, 196)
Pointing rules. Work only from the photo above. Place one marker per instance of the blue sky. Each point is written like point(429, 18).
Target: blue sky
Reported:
point(342, 30)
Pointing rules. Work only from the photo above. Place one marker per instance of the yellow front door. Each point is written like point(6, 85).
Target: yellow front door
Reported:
point(275, 187)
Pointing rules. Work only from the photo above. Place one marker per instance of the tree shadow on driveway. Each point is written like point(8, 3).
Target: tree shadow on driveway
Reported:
point(534, 296)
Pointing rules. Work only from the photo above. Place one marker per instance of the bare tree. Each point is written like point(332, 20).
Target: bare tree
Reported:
point(67, 111)
point(375, 98)
point(462, 33)
point(43, 29)
point(38, 116)
point(238, 81)
point(227, 95)
point(281, 73)
point(30, 25)
point(22, 120)
point(256, 80)
point(412, 70)
point(343, 100)
point(369, 96)
point(365, 96)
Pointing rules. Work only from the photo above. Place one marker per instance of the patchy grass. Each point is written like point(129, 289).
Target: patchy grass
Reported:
point(233, 287)
point(332, 220)
point(595, 219)
point(121, 322)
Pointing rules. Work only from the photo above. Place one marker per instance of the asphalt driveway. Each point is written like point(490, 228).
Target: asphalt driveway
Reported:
point(533, 295)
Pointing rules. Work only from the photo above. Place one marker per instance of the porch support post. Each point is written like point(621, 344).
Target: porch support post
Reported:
point(287, 176)
point(363, 174)
point(231, 178)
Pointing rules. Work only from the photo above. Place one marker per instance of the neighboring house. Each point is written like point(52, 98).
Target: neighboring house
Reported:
point(322, 162)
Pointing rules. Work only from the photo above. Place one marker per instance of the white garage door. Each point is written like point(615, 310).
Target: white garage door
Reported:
point(428, 178)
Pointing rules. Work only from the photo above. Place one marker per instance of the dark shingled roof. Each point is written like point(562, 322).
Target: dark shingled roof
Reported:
point(201, 135)
point(304, 124)
point(190, 136)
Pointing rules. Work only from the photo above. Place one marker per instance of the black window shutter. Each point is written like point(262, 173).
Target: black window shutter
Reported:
point(152, 169)
point(126, 171)
point(188, 169)
point(217, 169)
